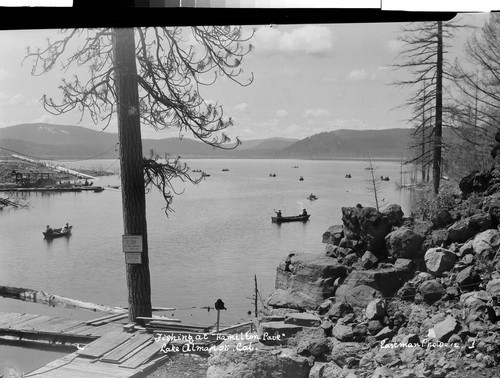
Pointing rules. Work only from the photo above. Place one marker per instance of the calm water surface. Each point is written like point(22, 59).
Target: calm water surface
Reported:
point(218, 238)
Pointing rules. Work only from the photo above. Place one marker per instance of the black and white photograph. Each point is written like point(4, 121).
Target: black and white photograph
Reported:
point(284, 193)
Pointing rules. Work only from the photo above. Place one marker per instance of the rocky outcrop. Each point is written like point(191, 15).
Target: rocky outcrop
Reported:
point(366, 227)
point(333, 235)
point(304, 281)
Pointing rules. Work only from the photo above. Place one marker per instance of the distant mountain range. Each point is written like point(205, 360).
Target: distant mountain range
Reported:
point(44, 141)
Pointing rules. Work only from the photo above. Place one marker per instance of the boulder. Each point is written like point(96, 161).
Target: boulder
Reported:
point(368, 260)
point(386, 356)
point(462, 230)
point(303, 319)
point(445, 329)
point(493, 288)
point(439, 260)
point(384, 333)
point(408, 291)
point(374, 327)
point(491, 205)
point(367, 225)
point(375, 309)
point(333, 235)
point(403, 242)
point(350, 259)
point(411, 356)
point(439, 237)
point(475, 181)
point(386, 280)
point(422, 227)
point(441, 218)
point(474, 299)
point(482, 221)
point(313, 342)
point(342, 332)
point(404, 265)
point(326, 370)
point(335, 251)
point(466, 249)
point(394, 214)
point(357, 296)
point(467, 279)
point(486, 243)
point(417, 315)
point(431, 290)
point(277, 332)
point(304, 281)
point(255, 361)
point(343, 353)
point(339, 310)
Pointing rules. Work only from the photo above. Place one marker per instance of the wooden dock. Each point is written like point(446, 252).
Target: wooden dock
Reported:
point(112, 355)
point(104, 348)
point(107, 347)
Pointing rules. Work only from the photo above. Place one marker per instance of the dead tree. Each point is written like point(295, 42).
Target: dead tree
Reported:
point(423, 58)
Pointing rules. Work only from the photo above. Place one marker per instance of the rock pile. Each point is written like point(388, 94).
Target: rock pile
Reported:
point(390, 297)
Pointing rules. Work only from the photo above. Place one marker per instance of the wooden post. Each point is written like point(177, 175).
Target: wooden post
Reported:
point(256, 294)
point(131, 165)
point(218, 319)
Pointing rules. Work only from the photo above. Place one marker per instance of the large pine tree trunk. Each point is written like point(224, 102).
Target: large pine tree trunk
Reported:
point(131, 164)
point(438, 128)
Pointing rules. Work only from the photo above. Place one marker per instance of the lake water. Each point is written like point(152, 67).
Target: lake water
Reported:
point(218, 238)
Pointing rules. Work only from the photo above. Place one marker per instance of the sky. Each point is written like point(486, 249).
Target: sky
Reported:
point(308, 78)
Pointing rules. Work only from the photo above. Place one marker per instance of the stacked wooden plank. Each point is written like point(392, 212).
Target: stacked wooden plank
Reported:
point(104, 344)
point(128, 349)
point(106, 319)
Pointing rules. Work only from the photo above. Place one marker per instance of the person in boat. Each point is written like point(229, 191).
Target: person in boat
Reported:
point(304, 212)
point(278, 214)
point(65, 228)
point(48, 230)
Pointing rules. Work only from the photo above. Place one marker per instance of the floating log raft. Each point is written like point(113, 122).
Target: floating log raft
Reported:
point(38, 296)
point(8, 202)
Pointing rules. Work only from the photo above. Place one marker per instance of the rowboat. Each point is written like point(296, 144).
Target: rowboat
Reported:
point(296, 218)
point(312, 197)
point(57, 232)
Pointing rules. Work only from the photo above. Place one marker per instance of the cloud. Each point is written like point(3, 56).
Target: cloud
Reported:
point(308, 39)
point(360, 75)
point(329, 79)
point(394, 45)
point(16, 100)
point(281, 113)
point(352, 124)
point(243, 107)
point(46, 118)
point(315, 113)
point(4, 74)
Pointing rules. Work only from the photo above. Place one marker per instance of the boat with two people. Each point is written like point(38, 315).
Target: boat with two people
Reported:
point(51, 233)
point(279, 218)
